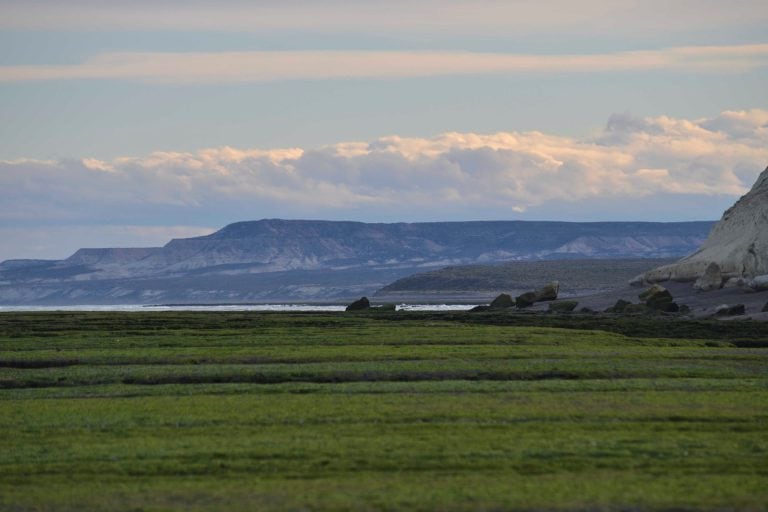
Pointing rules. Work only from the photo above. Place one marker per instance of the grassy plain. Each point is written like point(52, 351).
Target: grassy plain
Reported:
point(248, 411)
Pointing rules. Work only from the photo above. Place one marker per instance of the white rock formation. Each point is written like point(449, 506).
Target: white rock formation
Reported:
point(712, 279)
point(738, 244)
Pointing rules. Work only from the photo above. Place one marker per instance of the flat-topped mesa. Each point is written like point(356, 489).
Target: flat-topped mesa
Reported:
point(737, 244)
point(107, 255)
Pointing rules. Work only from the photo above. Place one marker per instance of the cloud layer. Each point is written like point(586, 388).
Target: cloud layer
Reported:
point(464, 17)
point(653, 162)
point(261, 66)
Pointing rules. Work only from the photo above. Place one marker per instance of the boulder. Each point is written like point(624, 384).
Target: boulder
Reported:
point(765, 308)
point(563, 306)
point(482, 307)
point(525, 300)
point(712, 279)
point(736, 282)
point(503, 301)
point(548, 292)
point(654, 291)
point(658, 298)
point(730, 310)
point(759, 283)
point(359, 305)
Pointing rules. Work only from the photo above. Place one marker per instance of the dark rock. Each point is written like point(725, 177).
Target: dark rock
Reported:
point(588, 311)
point(684, 309)
point(765, 308)
point(480, 308)
point(359, 305)
point(563, 306)
point(619, 307)
point(525, 300)
point(730, 310)
point(667, 307)
point(503, 301)
point(661, 303)
point(636, 309)
point(658, 298)
point(548, 292)
point(389, 307)
point(653, 291)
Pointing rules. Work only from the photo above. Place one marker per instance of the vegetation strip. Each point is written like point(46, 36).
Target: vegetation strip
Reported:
point(209, 411)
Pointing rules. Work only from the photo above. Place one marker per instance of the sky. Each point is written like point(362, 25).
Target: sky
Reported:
point(128, 123)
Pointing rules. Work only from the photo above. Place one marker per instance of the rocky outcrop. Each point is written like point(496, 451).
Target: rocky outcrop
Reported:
point(359, 305)
point(738, 243)
point(712, 279)
point(525, 300)
point(547, 293)
point(503, 301)
point(658, 298)
point(655, 300)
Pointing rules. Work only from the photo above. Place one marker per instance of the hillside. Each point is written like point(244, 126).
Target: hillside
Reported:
point(298, 260)
point(737, 245)
point(576, 277)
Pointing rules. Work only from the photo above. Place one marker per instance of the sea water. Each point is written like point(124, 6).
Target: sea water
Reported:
point(233, 307)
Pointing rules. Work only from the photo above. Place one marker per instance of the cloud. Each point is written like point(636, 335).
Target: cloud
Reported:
point(634, 165)
point(412, 17)
point(263, 66)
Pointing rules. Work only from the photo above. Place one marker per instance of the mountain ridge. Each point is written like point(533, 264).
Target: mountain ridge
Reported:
point(367, 252)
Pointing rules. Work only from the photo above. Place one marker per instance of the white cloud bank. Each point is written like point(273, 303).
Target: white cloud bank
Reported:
point(263, 66)
point(677, 166)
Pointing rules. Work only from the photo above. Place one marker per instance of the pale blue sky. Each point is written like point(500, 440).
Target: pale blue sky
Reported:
point(116, 82)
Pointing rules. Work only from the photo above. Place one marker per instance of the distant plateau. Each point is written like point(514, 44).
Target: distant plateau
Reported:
point(311, 260)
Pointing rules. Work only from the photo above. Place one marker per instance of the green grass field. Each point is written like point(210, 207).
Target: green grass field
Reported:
point(248, 411)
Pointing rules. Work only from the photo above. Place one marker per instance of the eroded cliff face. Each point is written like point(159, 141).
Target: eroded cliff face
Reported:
point(737, 244)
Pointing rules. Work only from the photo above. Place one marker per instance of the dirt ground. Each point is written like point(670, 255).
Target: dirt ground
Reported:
point(701, 303)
